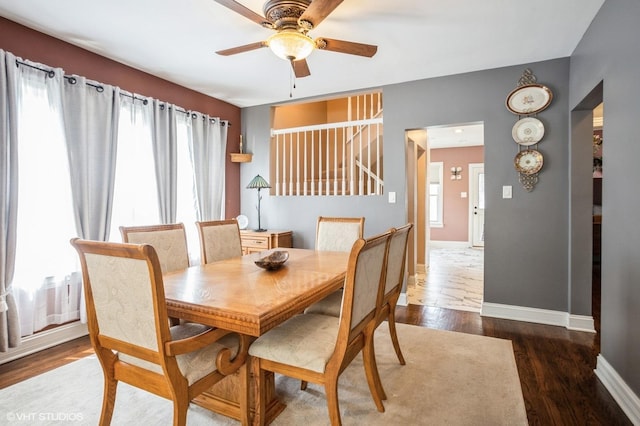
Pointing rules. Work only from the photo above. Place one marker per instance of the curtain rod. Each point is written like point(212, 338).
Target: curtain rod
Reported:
point(99, 88)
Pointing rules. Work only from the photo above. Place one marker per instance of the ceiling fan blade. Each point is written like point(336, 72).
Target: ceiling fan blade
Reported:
point(241, 49)
point(301, 68)
point(318, 10)
point(246, 12)
point(348, 47)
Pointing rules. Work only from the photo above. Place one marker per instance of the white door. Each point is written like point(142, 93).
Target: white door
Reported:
point(476, 192)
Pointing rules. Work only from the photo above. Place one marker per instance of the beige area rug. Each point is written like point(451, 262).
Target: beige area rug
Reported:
point(450, 379)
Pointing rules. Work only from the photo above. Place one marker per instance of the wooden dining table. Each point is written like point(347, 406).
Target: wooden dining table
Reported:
point(237, 295)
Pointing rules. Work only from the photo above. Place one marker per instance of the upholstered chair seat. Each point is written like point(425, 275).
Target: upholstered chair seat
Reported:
point(330, 305)
point(193, 365)
point(304, 341)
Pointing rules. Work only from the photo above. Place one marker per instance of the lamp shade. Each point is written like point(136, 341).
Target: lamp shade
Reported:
point(258, 182)
point(291, 45)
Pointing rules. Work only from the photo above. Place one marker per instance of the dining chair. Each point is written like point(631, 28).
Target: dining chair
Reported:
point(219, 240)
point(335, 234)
point(317, 348)
point(394, 279)
point(389, 290)
point(129, 331)
point(338, 233)
point(169, 241)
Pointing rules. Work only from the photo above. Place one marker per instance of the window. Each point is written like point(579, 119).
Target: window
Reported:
point(435, 194)
point(187, 199)
point(135, 197)
point(46, 282)
point(44, 258)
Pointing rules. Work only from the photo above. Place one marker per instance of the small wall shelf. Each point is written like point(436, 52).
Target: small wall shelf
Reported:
point(237, 157)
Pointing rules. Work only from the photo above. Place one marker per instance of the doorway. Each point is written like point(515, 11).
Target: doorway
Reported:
point(598, 176)
point(445, 201)
point(587, 125)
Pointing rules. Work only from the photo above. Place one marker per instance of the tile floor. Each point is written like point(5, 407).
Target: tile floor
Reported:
point(454, 280)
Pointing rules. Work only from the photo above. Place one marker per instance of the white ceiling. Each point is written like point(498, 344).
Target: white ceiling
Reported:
point(455, 136)
point(416, 39)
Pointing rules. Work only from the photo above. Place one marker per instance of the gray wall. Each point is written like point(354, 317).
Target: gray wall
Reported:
point(526, 237)
point(537, 253)
point(610, 52)
point(299, 214)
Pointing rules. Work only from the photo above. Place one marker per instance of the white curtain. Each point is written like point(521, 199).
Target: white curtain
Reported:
point(91, 158)
point(164, 143)
point(9, 323)
point(208, 147)
point(46, 290)
point(91, 112)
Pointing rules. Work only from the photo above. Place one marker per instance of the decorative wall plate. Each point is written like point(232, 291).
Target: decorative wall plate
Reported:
point(243, 221)
point(527, 131)
point(529, 99)
point(528, 162)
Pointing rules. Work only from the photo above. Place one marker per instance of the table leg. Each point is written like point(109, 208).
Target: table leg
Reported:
point(222, 397)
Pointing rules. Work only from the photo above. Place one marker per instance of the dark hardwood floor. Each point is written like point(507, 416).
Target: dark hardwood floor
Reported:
point(555, 365)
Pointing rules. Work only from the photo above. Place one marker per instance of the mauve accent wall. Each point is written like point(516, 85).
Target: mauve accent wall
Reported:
point(38, 47)
point(455, 209)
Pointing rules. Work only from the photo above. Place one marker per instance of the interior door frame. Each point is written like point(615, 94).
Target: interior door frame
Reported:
point(417, 208)
point(472, 190)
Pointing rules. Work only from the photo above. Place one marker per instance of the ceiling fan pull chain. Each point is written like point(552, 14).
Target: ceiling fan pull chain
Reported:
point(292, 80)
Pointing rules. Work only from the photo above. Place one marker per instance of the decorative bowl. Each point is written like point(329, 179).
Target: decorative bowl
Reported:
point(273, 261)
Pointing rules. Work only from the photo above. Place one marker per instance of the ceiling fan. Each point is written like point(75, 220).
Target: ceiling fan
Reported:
point(292, 20)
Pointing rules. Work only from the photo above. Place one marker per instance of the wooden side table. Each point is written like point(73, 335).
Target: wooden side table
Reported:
point(258, 241)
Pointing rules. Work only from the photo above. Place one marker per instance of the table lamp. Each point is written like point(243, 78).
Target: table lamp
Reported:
point(259, 183)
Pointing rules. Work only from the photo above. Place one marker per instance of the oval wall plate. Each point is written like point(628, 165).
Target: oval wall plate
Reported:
point(529, 99)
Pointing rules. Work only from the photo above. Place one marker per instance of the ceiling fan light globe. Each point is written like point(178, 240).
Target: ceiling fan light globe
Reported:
point(291, 45)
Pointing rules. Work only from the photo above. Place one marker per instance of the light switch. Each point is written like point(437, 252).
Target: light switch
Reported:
point(463, 195)
point(392, 197)
point(506, 191)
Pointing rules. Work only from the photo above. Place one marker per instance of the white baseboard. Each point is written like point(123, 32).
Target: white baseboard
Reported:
point(581, 323)
point(621, 392)
point(402, 300)
point(45, 339)
point(539, 316)
point(449, 244)
point(411, 280)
